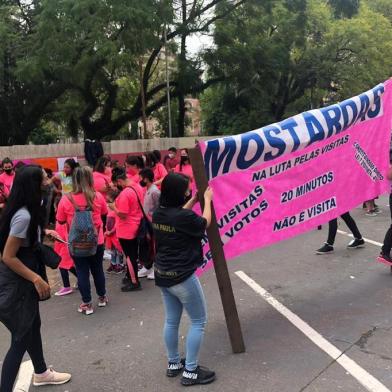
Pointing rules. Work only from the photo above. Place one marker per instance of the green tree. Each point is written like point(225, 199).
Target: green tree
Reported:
point(282, 58)
point(25, 96)
point(103, 42)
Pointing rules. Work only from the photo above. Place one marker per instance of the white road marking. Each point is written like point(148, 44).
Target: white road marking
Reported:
point(360, 374)
point(365, 239)
point(24, 377)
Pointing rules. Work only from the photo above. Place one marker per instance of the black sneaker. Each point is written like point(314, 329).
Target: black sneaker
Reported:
point(326, 248)
point(174, 369)
point(356, 243)
point(126, 280)
point(131, 287)
point(201, 376)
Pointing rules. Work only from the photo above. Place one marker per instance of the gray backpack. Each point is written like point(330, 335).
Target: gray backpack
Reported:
point(83, 237)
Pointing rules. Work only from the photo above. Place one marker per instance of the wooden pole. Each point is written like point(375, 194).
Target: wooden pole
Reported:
point(218, 255)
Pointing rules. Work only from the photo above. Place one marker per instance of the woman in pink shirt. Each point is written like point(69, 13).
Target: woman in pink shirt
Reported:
point(8, 175)
point(133, 165)
point(84, 196)
point(159, 170)
point(102, 182)
point(184, 166)
point(127, 208)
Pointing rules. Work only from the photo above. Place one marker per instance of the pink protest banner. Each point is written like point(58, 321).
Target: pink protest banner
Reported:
point(282, 180)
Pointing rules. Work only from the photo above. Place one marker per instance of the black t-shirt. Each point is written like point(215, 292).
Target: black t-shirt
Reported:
point(178, 233)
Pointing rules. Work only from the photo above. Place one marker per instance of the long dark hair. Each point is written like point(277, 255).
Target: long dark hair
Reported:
point(72, 164)
point(182, 163)
point(134, 160)
point(119, 173)
point(25, 192)
point(173, 190)
point(100, 166)
point(151, 160)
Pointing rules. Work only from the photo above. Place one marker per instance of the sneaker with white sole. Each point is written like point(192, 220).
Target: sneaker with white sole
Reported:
point(103, 301)
point(64, 291)
point(151, 275)
point(143, 272)
point(50, 377)
point(356, 243)
point(87, 309)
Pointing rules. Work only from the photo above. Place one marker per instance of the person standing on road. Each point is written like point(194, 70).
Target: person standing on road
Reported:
point(8, 175)
point(101, 178)
point(151, 203)
point(385, 255)
point(82, 197)
point(133, 166)
point(65, 176)
point(128, 218)
point(21, 284)
point(156, 166)
point(357, 242)
point(171, 161)
point(185, 166)
point(178, 232)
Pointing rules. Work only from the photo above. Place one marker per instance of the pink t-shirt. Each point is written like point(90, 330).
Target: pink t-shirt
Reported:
point(7, 180)
point(128, 204)
point(135, 178)
point(66, 211)
point(159, 172)
point(62, 249)
point(186, 169)
point(101, 181)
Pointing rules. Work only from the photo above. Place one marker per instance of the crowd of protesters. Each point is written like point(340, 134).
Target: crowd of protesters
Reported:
point(140, 215)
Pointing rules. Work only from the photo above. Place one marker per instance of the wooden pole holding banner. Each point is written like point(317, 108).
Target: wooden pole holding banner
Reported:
point(218, 256)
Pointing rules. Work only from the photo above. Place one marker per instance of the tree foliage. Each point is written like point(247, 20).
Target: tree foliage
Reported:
point(283, 58)
point(98, 65)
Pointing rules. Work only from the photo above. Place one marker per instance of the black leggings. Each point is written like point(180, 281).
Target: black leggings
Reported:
point(32, 343)
point(333, 228)
point(387, 246)
point(130, 248)
point(65, 275)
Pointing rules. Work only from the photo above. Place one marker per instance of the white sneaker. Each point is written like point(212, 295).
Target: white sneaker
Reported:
point(143, 273)
point(107, 255)
point(50, 377)
point(151, 275)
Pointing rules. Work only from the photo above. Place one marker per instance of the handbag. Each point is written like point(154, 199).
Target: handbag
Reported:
point(145, 227)
point(48, 256)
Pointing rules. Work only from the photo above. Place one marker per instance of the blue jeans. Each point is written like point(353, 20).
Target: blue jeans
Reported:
point(117, 257)
point(188, 295)
point(93, 264)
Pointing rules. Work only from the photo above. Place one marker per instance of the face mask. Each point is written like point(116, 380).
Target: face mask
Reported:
point(171, 155)
point(8, 171)
point(184, 160)
point(142, 183)
point(120, 188)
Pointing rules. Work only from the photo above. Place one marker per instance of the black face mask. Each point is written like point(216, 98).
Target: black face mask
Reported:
point(8, 171)
point(142, 183)
point(120, 188)
point(184, 160)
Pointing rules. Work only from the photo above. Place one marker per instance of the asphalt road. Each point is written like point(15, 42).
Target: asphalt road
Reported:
point(346, 297)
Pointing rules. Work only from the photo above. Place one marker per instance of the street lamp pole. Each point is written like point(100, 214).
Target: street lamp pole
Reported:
point(167, 84)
